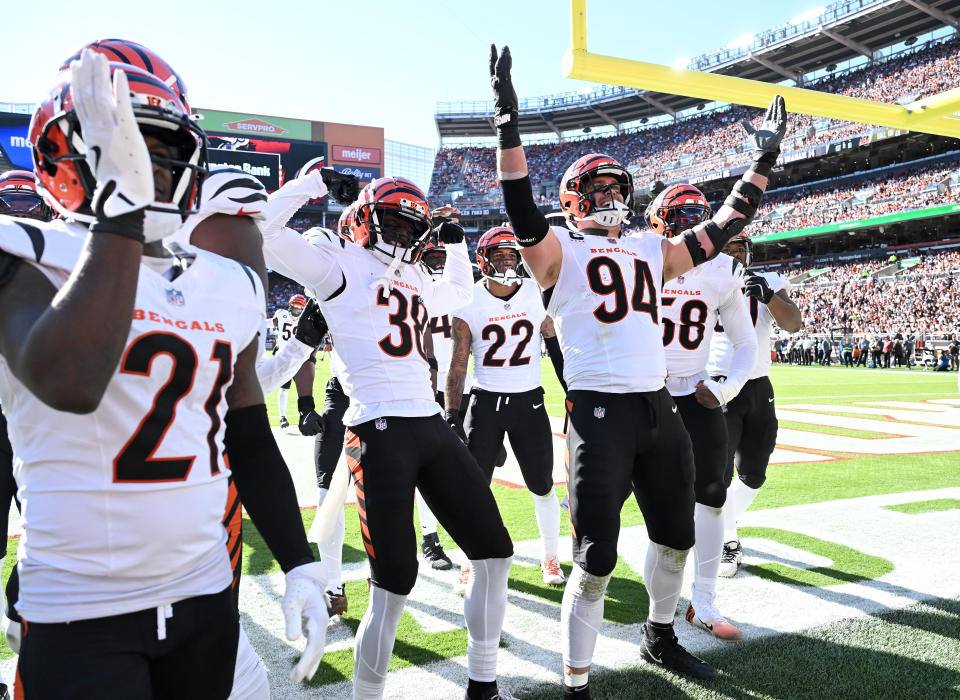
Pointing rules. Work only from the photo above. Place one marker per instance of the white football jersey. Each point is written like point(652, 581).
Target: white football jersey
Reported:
point(283, 325)
point(605, 307)
point(123, 507)
point(379, 335)
point(441, 329)
point(688, 316)
point(505, 338)
point(721, 351)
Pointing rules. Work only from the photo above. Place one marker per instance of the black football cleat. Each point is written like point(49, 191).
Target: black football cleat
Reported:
point(666, 651)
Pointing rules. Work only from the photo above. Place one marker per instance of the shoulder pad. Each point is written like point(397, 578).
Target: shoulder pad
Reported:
point(233, 192)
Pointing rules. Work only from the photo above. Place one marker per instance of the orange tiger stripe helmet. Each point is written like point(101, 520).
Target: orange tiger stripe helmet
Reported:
point(398, 196)
point(577, 191)
point(139, 56)
point(676, 209)
point(59, 151)
point(343, 223)
point(19, 196)
point(496, 238)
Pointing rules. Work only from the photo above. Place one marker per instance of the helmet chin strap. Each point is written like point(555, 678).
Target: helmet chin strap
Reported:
point(617, 214)
point(386, 279)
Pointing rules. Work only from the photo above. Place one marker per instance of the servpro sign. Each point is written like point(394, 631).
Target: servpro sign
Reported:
point(254, 125)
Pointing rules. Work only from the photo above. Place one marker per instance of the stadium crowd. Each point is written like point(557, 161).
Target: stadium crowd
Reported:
point(712, 140)
point(924, 299)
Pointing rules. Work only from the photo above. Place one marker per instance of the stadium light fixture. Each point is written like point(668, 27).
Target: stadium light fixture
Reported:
point(933, 115)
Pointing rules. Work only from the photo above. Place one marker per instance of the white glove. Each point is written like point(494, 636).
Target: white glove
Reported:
point(116, 152)
point(305, 607)
point(725, 392)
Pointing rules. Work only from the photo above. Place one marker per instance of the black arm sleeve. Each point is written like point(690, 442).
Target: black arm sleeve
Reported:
point(265, 486)
point(8, 267)
point(556, 357)
point(529, 224)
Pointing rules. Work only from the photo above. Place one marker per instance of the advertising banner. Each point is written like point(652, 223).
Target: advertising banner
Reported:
point(356, 154)
point(254, 125)
point(362, 173)
point(13, 141)
point(263, 166)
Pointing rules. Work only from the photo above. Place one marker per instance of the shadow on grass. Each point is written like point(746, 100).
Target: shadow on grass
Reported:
point(900, 654)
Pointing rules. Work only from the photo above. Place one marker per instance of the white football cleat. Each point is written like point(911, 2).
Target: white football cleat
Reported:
point(552, 573)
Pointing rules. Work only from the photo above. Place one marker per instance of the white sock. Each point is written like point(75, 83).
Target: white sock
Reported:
point(484, 605)
point(331, 553)
point(282, 401)
point(581, 614)
point(663, 577)
point(250, 681)
point(428, 521)
point(374, 644)
point(547, 509)
point(708, 524)
point(739, 498)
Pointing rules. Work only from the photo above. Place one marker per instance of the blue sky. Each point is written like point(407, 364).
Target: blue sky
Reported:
point(377, 63)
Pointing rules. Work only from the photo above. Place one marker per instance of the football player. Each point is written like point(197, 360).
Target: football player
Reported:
point(19, 199)
point(173, 573)
point(751, 416)
point(378, 302)
point(501, 328)
point(284, 321)
point(689, 305)
point(603, 292)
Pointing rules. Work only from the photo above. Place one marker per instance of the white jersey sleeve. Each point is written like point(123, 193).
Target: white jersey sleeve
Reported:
point(313, 261)
point(688, 310)
point(123, 510)
point(606, 311)
point(721, 349)
point(454, 289)
point(505, 338)
point(224, 191)
point(275, 370)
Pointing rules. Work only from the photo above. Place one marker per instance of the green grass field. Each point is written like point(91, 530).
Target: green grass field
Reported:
point(909, 653)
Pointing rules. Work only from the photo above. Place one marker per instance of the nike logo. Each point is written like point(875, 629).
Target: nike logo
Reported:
point(243, 212)
point(674, 409)
point(537, 405)
point(769, 400)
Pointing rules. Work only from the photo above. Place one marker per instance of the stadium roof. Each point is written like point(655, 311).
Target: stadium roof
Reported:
point(845, 30)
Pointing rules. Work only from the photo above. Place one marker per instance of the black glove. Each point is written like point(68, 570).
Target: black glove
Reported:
point(766, 140)
point(311, 422)
point(450, 232)
point(505, 102)
point(453, 420)
point(758, 288)
point(311, 326)
point(343, 188)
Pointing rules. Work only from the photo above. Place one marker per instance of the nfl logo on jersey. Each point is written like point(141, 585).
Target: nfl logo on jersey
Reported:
point(599, 412)
point(175, 297)
point(381, 424)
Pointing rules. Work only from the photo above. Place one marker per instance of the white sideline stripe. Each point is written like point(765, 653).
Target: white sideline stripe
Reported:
point(866, 396)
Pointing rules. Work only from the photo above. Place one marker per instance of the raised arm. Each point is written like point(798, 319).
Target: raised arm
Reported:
point(65, 345)
point(454, 289)
point(539, 247)
point(705, 241)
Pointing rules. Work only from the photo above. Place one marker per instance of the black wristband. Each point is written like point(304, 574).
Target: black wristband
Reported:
point(305, 404)
point(764, 163)
point(129, 226)
point(508, 135)
point(265, 486)
point(529, 224)
point(433, 364)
